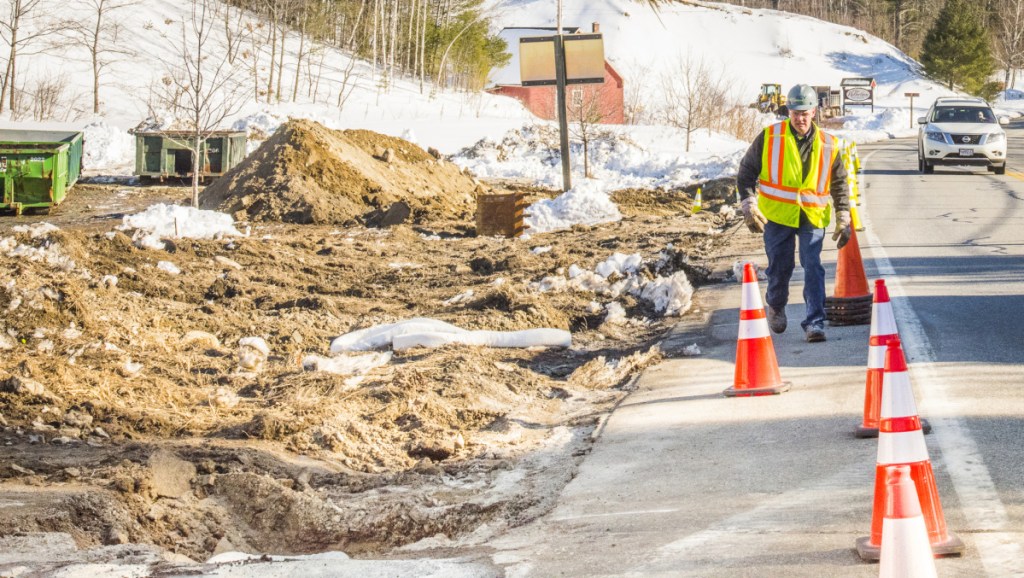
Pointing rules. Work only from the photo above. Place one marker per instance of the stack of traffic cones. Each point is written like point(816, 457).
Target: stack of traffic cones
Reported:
point(855, 221)
point(901, 443)
point(905, 550)
point(851, 302)
point(883, 330)
point(757, 370)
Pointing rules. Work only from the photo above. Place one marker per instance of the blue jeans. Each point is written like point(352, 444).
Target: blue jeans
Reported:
point(779, 246)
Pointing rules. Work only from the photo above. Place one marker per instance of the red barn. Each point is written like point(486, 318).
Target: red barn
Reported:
point(601, 103)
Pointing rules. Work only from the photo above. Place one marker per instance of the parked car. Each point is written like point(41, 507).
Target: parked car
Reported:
point(961, 131)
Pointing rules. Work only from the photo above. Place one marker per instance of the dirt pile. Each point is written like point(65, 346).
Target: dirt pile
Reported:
point(307, 173)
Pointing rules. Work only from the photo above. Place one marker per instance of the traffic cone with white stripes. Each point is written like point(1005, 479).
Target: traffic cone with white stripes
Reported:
point(901, 443)
point(883, 330)
point(905, 550)
point(698, 203)
point(757, 370)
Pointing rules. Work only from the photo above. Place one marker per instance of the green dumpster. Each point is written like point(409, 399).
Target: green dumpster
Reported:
point(167, 153)
point(38, 167)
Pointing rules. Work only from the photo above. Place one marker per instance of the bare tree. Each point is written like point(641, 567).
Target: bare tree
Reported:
point(303, 26)
point(206, 86)
point(97, 33)
point(251, 55)
point(19, 27)
point(236, 30)
point(1009, 39)
point(586, 112)
point(347, 82)
point(636, 93)
point(695, 93)
point(273, 8)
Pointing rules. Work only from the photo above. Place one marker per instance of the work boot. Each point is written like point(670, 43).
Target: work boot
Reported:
point(814, 333)
point(777, 319)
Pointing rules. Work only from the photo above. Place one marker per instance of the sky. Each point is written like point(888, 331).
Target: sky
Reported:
point(643, 45)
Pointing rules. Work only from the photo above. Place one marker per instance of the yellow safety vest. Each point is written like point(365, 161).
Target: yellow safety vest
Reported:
point(782, 190)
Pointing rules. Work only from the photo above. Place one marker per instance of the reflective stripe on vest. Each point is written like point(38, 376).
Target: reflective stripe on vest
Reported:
point(783, 194)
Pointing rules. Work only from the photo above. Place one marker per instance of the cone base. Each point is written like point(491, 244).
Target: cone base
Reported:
point(849, 310)
point(850, 301)
point(863, 431)
point(951, 546)
point(755, 391)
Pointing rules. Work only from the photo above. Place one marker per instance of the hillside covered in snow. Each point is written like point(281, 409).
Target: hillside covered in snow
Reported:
point(648, 48)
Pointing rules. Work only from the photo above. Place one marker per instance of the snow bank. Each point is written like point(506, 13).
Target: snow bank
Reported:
point(175, 221)
point(525, 338)
point(424, 332)
point(107, 148)
point(587, 203)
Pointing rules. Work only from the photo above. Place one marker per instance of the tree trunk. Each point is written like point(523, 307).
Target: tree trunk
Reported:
point(95, 49)
point(280, 58)
point(3, 91)
point(273, 51)
point(302, 46)
point(9, 85)
point(423, 47)
point(373, 36)
point(197, 167)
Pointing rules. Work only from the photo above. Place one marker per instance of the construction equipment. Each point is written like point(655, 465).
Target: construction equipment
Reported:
point(38, 168)
point(771, 99)
point(830, 102)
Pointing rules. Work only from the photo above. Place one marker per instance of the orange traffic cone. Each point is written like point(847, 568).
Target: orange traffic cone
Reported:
point(850, 303)
point(901, 443)
point(905, 549)
point(757, 370)
point(883, 330)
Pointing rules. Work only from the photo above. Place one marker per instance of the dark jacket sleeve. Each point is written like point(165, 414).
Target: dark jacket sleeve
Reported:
point(838, 185)
point(750, 168)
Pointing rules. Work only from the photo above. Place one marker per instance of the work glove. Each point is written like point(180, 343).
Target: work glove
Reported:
point(843, 230)
point(752, 215)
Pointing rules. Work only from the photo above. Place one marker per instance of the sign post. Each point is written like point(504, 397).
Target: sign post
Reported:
point(563, 116)
point(858, 92)
point(561, 60)
point(911, 95)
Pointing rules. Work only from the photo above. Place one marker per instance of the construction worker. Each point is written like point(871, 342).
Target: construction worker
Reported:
point(786, 180)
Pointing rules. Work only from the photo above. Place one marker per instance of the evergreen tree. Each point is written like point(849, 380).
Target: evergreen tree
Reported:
point(957, 49)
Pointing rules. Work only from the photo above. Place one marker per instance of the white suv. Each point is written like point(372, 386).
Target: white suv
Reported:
point(961, 131)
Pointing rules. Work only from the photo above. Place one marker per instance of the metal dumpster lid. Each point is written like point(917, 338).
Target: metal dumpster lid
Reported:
point(37, 136)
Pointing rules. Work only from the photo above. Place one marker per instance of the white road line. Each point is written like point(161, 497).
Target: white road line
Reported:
point(986, 516)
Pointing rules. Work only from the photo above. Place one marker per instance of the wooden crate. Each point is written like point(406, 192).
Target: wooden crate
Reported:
point(500, 214)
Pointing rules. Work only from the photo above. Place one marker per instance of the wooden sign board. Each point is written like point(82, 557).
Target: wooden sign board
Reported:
point(584, 59)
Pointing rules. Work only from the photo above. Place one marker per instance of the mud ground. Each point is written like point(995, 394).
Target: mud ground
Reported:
point(124, 416)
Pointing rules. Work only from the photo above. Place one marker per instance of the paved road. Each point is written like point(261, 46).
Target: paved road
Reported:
point(685, 482)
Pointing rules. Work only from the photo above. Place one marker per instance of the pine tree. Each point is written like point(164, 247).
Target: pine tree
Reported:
point(957, 49)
